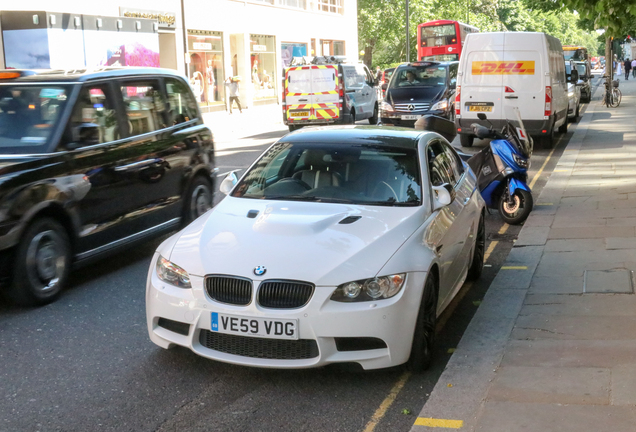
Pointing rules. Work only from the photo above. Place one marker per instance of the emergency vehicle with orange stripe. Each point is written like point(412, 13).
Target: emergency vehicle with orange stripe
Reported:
point(328, 90)
point(512, 69)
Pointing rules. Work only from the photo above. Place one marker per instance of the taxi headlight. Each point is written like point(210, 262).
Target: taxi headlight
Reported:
point(173, 274)
point(370, 289)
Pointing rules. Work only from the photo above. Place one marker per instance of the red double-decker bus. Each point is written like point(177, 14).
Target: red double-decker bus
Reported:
point(442, 40)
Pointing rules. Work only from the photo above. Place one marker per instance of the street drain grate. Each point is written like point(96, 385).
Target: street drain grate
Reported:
point(617, 281)
point(502, 237)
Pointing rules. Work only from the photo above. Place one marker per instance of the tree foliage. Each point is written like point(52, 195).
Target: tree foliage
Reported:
point(382, 24)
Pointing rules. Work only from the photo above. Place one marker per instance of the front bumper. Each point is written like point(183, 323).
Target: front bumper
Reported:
point(396, 118)
point(320, 325)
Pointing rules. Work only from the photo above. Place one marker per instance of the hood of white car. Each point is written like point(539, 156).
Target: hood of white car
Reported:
point(303, 241)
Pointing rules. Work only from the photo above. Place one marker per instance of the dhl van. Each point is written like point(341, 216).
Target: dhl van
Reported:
point(505, 69)
point(328, 91)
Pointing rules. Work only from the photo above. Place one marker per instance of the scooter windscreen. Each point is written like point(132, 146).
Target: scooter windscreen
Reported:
point(517, 131)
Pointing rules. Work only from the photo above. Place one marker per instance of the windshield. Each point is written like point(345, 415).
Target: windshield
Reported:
point(517, 131)
point(439, 35)
point(420, 76)
point(574, 54)
point(335, 173)
point(28, 115)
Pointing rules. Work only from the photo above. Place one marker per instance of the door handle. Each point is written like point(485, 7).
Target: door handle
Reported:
point(512, 97)
point(137, 165)
point(302, 100)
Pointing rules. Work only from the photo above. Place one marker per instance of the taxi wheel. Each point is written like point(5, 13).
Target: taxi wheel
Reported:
point(424, 334)
point(198, 199)
point(42, 264)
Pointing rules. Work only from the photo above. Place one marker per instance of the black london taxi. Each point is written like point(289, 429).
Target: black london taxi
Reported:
point(91, 161)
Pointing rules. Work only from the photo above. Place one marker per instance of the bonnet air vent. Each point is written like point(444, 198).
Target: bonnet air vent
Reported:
point(252, 214)
point(349, 220)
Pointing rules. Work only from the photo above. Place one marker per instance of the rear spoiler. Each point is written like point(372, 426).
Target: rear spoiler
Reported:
point(442, 126)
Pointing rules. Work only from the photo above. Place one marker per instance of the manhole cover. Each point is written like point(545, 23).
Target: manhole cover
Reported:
point(608, 281)
point(502, 237)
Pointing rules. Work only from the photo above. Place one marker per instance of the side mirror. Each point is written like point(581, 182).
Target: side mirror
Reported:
point(228, 183)
point(482, 116)
point(442, 196)
point(86, 134)
point(384, 86)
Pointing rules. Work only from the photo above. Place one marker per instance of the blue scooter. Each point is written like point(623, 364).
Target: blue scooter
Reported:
point(502, 168)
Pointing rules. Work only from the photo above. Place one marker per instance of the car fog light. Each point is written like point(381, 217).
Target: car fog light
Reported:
point(351, 290)
point(374, 288)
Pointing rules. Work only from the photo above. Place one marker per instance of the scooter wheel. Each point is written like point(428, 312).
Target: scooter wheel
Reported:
point(519, 211)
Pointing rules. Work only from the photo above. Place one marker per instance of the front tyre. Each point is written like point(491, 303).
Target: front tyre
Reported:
point(424, 334)
point(374, 120)
point(477, 263)
point(518, 209)
point(42, 264)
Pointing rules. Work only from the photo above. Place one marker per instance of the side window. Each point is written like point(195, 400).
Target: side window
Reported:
point(94, 108)
point(145, 106)
point(439, 165)
point(361, 75)
point(452, 73)
point(181, 104)
point(455, 163)
point(351, 77)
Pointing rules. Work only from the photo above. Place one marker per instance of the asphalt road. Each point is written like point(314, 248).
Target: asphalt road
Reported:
point(85, 363)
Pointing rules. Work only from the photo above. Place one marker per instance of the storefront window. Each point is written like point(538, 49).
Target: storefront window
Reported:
point(332, 48)
point(263, 66)
point(333, 6)
point(206, 66)
point(302, 4)
point(289, 50)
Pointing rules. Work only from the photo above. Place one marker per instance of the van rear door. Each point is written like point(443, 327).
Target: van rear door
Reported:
point(298, 93)
point(325, 85)
point(481, 83)
point(522, 76)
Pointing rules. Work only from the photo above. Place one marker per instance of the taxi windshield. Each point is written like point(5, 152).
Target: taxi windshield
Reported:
point(420, 76)
point(28, 115)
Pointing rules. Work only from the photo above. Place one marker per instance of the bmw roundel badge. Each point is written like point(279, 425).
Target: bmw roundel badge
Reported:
point(259, 270)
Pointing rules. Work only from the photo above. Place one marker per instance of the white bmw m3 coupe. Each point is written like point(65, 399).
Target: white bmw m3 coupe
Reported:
point(339, 244)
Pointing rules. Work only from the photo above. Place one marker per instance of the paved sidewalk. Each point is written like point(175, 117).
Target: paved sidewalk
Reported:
point(553, 344)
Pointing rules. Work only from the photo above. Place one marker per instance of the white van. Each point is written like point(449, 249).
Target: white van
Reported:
point(520, 69)
point(328, 91)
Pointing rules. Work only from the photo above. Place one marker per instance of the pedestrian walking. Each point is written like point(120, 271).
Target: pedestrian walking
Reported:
point(232, 84)
point(634, 68)
point(628, 66)
point(618, 66)
point(378, 75)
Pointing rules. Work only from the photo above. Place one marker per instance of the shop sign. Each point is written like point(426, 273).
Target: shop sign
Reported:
point(262, 48)
point(202, 46)
point(165, 19)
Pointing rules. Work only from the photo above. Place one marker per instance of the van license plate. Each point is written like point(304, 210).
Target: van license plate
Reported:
point(299, 114)
point(477, 108)
point(410, 117)
point(252, 326)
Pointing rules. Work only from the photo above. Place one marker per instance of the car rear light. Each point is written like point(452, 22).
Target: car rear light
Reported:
point(458, 110)
point(548, 101)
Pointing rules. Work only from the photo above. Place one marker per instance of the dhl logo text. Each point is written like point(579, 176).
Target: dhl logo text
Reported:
point(503, 68)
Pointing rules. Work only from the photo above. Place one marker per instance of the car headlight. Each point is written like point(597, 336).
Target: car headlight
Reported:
point(370, 289)
point(441, 105)
point(522, 162)
point(173, 274)
point(385, 106)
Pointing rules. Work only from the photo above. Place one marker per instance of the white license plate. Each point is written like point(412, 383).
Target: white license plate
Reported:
point(410, 117)
point(256, 327)
point(299, 114)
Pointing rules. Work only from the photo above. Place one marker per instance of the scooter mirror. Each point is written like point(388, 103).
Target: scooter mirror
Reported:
point(482, 116)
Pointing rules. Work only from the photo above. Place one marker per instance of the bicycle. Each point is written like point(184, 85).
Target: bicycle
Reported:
point(611, 98)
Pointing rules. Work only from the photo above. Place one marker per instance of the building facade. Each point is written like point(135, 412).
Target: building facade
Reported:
point(212, 40)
